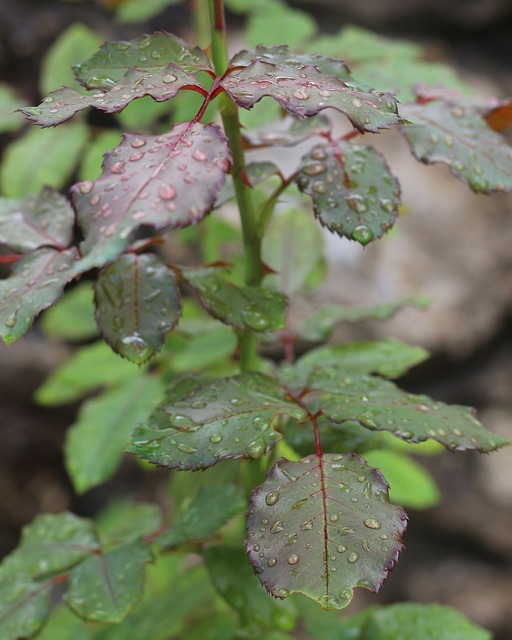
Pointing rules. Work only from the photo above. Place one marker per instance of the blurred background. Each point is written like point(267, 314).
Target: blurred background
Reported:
point(450, 245)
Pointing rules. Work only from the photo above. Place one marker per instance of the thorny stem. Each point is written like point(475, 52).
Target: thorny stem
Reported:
point(250, 233)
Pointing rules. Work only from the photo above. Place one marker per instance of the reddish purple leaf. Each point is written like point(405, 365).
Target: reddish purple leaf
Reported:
point(323, 526)
point(305, 85)
point(161, 85)
point(165, 182)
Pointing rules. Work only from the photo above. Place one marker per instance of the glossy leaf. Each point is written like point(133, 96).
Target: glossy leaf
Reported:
point(323, 526)
point(45, 219)
point(106, 586)
point(198, 426)
point(237, 584)
point(241, 307)
point(380, 405)
point(95, 442)
point(161, 85)
point(318, 326)
point(210, 510)
point(90, 367)
point(353, 192)
point(24, 605)
point(36, 282)
point(137, 304)
point(296, 131)
point(150, 53)
point(304, 85)
point(72, 319)
point(421, 622)
point(459, 137)
point(148, 180)
point(41, 158)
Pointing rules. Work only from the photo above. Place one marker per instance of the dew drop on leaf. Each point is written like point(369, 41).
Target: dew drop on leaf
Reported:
point(353, 557)
point(272, 498)
point(362, 234)
point(134, 348)
point(256, 448)
point(185, 448)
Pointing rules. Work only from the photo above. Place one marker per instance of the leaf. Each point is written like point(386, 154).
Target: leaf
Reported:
point(124, 520)
point(41, 158)
point(36, 282)
point(318, 326)
point(135, 11)
point(44, 219)
point(211, 509)
point(304, 85)
point(380, 405)
point(161, 85)
point(293, 247)
point(296, 131)
point(198, 352)
point(73, 45)
point(271, 22)
point(411, 485)
point(234, 580)
point(353, 192)
point(459, 137)
point(50, 545)
point(137, 304)
point(421, 622)
point(10, 120)
point(24, 606)
point(90, 166)
point(95, 442)
point(147, 180)
point(148, 53)
point(256, 172)
point(310, 530)
point(90, 367)
point(241, 307)
point(105, 587)
point(198, 426)
point(72, 319)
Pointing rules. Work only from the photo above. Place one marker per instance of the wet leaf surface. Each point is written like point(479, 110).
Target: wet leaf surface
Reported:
point(211, 509)
point(24, 606)
point(150, 53)
point(297, 131)
point(323, 526)
point(106, 586)
point(304, 85)
point(165, 181)
point(37, 281)
point(353, 192)
point(197, 426)
point(459, 137)
point(137, 304)
point(62, 104)
point(245, 308)
point(380, 405)
point(44, 219)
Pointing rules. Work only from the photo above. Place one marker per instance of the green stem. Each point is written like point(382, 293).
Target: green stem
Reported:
point(251, 237)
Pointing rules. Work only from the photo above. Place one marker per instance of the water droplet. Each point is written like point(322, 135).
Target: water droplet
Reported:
point(11, 320)
point(272, 497)
point(319, 187)
point(371, 523)
point(306, 526)
point(280, 592)
point(200, 156)
point(362, 234)
point(117, 167)
point(215, 438)
point(86, 187)
point(314, 168)
point(365, 545)
point(256, 448)
point(356, 102)
point(458, 432)
point(383, 536)
point(334, 518)
point(134, 348)
point(166, 192)
point(346, 531)
point(294, 558)
point(325, 93)
point(277, 527)
point(353, 557)
point(256, 547)
point(434, 138)
point(137, 143)
point(423, 407)
point(272, 562)
point(300, 94)
point(255, 320)
point(185, 448)
point(342, 548)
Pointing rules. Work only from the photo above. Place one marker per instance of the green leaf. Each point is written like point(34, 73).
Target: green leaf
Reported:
point(141, 166)
point(105, 587)
point(212, 508)
point(380, 405)
point(64, 103)
point(293, 247)
point(272, 22)
point(144, 114)
point(353, 192)
point(90, 367)
point(137, 304)
point(43, 219)
point(332, 627)
point(234, 580)
point(198, 426)
point(73, 317)
point(41, 158)
point(9, 103)
point(73, 45)
point(148, 53)
point(410, 484)
point(421, 622)
point(90, 167)
point(124, 520)
point(198, 352)
point(37, 281)
point(310, 530)
point(50, 545)
point(95, 442)
point(458, 136)
point(24, 606)
point(318, 326)
point(241, 307)
point(62, 625)
point(304, 85)
point(136, 11)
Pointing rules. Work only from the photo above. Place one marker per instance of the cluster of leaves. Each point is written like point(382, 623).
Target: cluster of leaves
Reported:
point(321, 521)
